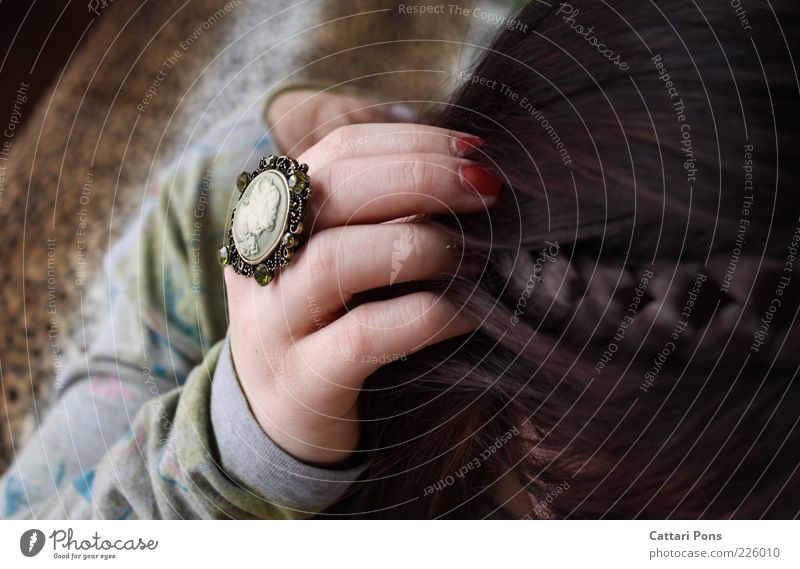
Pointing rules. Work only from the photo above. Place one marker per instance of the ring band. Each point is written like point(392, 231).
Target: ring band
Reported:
point(266, 226)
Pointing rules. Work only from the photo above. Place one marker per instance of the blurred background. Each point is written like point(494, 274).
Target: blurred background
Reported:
point(36, 41)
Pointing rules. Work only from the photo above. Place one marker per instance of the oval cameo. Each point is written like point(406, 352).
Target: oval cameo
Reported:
point(261, 217)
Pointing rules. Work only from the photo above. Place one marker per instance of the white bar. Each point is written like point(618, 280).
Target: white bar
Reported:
point(408, 545)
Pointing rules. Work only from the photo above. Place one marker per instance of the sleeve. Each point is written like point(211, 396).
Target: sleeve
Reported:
point(248, 455)
point(165, 468)
point(131, 433)
point(168, 467)
point(196, 452)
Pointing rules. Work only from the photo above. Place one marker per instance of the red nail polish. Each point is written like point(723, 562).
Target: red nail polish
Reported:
point(481, 180)
point(463, 145)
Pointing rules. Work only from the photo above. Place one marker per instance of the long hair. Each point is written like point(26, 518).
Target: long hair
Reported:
point(637, 355)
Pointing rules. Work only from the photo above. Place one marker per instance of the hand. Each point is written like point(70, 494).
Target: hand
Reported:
point(300, 356)
point(299, 118)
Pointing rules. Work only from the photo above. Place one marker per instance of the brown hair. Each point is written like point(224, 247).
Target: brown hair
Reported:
point(636, 356)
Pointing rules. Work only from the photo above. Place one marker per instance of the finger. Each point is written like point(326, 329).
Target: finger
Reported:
point(377, 139)
point(290, 113)
point(376, 333)
point(339, 262)
point(245, 298)
point(383, 188)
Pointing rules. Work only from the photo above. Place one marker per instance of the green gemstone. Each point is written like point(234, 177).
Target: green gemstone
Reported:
point(224, 257)
point(298, 181)
point(242, 180)
point(262, 274)
point(290, 240)
point(272, 161)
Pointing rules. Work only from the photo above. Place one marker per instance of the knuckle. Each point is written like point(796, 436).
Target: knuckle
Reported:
point(320, 256)
point(355, 337)
point(339, 175)
point(321, 209)
point(416, 175)
point(344, 140)
point(335, 177)
point(428, 318)
point(425, 309)
point(327, 177)
point(420, 138)
point(336, 139)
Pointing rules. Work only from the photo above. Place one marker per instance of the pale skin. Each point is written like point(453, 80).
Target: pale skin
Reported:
point(301, 357)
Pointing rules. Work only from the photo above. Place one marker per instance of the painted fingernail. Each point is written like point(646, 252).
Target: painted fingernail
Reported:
point(483, 181)
point(460, 146)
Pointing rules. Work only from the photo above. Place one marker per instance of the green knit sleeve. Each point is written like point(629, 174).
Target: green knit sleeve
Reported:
point(167, 467)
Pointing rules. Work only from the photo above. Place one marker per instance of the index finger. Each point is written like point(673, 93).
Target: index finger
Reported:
point(378, 139)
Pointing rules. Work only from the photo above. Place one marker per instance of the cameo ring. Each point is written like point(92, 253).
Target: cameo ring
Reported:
point(266, 225)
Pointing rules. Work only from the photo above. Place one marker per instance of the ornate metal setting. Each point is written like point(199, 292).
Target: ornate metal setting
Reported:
point(266, 226)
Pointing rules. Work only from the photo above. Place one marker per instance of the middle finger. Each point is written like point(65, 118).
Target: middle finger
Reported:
point(342, 261)
point(382, 188)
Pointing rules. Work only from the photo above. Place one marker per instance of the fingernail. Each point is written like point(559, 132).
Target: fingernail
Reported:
point(475, 178)
point(401, 113)
point(460, 146)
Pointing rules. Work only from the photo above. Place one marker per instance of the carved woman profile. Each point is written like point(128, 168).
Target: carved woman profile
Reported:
point(256, 213)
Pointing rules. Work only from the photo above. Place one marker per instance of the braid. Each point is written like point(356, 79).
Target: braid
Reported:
point(695, 312)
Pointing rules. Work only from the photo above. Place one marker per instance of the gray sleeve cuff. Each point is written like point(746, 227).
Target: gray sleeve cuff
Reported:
point(249, 456)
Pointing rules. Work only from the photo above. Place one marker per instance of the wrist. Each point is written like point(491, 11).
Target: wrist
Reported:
point(323, 433)
point(314, 438)
point(256, 462)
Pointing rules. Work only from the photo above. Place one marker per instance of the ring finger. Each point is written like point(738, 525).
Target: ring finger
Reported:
point(342, 261)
